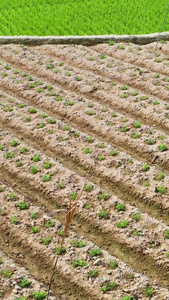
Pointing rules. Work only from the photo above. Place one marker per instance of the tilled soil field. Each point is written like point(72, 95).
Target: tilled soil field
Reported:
point(98, 117)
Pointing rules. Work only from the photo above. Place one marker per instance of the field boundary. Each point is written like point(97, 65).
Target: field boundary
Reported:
point(88, 40)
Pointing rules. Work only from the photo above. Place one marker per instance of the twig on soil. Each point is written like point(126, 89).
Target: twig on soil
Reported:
point(69, 216)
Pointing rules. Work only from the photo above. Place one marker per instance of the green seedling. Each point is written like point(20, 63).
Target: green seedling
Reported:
point(113, 264)
point(51, 121)
point(113, 152)
point(33, 215)
point(123, 224)
point(40, 295)
point(27, 119)
point(23, 205)
point(77, 78)
point(34, 170)
point(24, 283)
point(2, 147)
point(78, 244)
point(109, 287)
point(149, 291)
point(104, 214)
point(36, 158)
point(24, 149)
point(14, 143)
point(73, 195)
point(60, 250)
point(104, 196)
point(87, 151)
point(49, 224)
point(120, 206)
point(160, 176)
point(145, 168)
point(62, 184)
point(163, 147)
point(47, 165)
point(136, 217)
point(65, 128)
point(46, 178)
point(166, 233)
point(88, 188)
point(137, 124)
point(32, 110)
point(1, 189)
point(35, 229)
point(78, 263)
point(101, 157)
point(14, 220)
point(6, 273)
point(44, 115)
point(161, 189)
point(46, 241)
point(92, 274)
point(94, 252)
point(150, 142)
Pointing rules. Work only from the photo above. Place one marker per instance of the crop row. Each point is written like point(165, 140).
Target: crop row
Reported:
point(140, 56)
point(117, 97)
point(98, 207)
point(103, 160)
point(106, 123)
point(17, 283)
point(100, 273)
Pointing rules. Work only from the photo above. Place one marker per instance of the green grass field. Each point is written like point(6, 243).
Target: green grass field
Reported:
point(81, 17)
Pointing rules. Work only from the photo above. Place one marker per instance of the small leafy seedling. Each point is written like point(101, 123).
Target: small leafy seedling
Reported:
point(24, 283)
point(50, 223)
point(88, 188)
point(166, 233)
point(40, 295)
point(149, 291)
point(78, 244)
point(46, 241)
point(136, 217)
point(92, 274)
point(36, 158)
point(60, 250)
point(34, 170)
point(123, 224)
point(23, 205)
point(120, 206)
point(161, 189)
point(14, 220)
point(104, 196)
point(78, 263)
point(109, 287)
point(113, 264)
point(145, 167)
point(104, 214)
point(163, 147)
point(95, 252)
point(35, 229)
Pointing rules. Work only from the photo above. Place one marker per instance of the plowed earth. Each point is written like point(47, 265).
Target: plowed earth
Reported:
point(75, 114)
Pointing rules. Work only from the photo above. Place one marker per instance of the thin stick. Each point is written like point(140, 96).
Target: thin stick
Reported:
point(69, 217)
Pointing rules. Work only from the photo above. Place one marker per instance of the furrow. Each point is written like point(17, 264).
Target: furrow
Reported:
point(33, 244)
point(22, 283)
point(156, 113)
point(138, 56)
point(117, 170)
point(101, 121)
point(145, 236)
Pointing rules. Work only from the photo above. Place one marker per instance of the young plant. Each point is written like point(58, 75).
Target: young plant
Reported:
point(163, 147)
point(60, 250)
point(78, 263)
point(160, 176)
point(47, 165)
point(50, 223)
point(61, 184)
point(104, 214)
point(92, 274)
point(113, 264)
point(123, 224)
point(34, 170)
point(14, 143)
point(120, 206)
point(23, 205)
point(101, 157)
point(95, 252)
point(46, 241)
point(104, 196)
point(32, 110)
point(6, 273)
point(40, 295)
point(136, 217)
point(88, 188)
point(149, 291)
point(46, 178)
point(109, 287)
point(161, 189)
point(36, 158)
point(51, 121)
point(35, 229)
point(78, 244)
point(87, 151)
point(24, 149)
point(145, 167)
point(166, 233)
point(24, 283)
